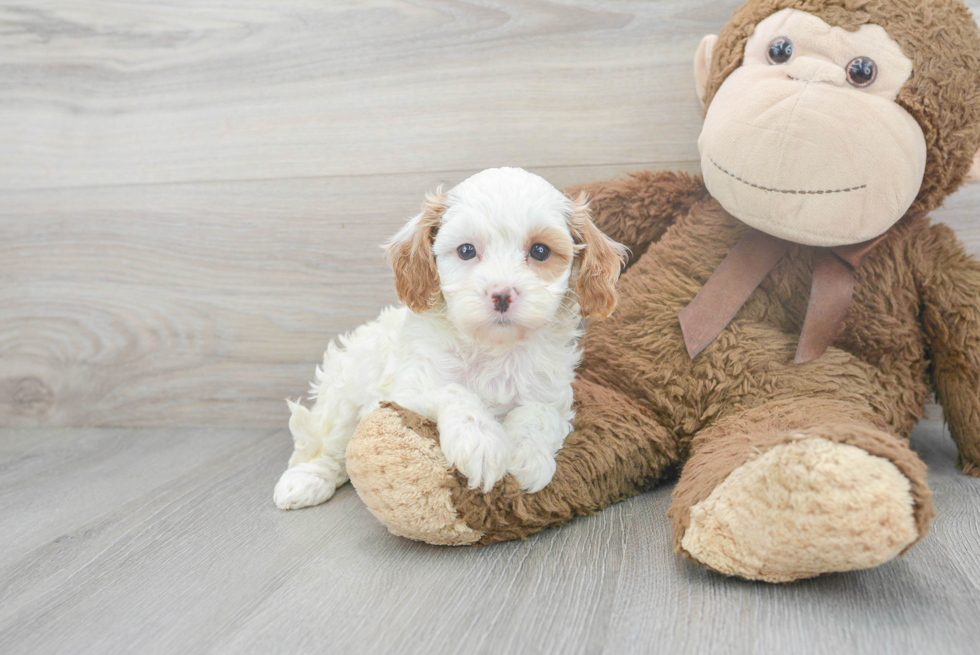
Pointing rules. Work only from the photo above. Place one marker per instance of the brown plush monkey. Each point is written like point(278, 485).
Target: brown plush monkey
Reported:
point(832, 128)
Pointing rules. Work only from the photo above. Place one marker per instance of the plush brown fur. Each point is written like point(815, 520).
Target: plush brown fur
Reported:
point(645, 409)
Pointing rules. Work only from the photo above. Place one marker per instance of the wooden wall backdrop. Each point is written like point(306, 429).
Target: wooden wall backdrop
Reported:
point(192, 192)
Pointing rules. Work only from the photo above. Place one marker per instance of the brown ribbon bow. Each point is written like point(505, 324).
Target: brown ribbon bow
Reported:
point(744, 269)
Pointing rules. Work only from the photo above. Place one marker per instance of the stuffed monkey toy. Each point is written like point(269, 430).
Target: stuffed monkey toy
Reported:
point(783, 320)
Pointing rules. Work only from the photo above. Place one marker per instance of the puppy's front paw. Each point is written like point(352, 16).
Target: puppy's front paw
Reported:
point(298, 488)
point(532, 465)
point(476, 445)
point(536, 433)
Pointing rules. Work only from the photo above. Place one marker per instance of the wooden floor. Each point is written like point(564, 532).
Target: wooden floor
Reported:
point(166, 541)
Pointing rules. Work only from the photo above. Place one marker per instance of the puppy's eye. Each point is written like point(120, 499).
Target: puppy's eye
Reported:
point(466, 251)
point(540, 252)
point(780, 51)
point(862, 72)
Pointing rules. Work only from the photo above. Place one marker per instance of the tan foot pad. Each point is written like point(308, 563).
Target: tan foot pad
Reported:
point(803, 509)
point(404, 480)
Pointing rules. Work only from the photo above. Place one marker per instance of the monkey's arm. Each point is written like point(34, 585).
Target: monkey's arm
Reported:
point(950, 290)
point(637, 210)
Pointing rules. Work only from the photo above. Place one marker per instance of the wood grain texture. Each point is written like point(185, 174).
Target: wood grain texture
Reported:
point(191, 194)
point(167, 541)
point(178, 91)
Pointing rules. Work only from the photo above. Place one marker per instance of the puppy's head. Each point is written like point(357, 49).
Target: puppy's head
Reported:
point(503, 251)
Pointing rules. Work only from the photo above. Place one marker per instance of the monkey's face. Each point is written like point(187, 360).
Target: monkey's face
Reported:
point(805, 141)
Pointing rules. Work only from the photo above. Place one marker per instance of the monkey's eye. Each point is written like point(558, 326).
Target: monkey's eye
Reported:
point(540, 252)
point(466, 251)
point(780, 51)
point(862, 72)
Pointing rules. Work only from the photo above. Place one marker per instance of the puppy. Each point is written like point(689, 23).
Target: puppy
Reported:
point(495, 277)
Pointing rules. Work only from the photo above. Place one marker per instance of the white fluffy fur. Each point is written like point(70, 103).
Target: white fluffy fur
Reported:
point(499, 386)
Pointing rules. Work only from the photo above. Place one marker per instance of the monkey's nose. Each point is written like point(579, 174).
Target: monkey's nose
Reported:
point(811, 69)
point(501, 299)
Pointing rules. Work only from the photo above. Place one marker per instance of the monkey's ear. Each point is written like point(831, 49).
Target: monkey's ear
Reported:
point(702, 64)
point(974, 175)
point(410, 254)
point(600, 261)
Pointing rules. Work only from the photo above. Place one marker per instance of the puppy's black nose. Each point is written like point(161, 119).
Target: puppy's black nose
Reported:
point(501, 300)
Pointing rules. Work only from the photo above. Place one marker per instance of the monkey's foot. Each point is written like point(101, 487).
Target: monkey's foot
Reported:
point(804, 508)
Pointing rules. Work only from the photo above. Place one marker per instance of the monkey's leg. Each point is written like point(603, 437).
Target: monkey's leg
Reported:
point(950, 283)
point(394, 461)
point(797, 488)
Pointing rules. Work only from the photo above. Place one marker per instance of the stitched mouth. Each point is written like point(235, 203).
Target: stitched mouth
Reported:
point(801, 192)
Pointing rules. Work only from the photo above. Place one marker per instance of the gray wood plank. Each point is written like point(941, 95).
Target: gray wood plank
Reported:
point(962, 213)
point(198, 560)
point(106, 93)
point(88, 473)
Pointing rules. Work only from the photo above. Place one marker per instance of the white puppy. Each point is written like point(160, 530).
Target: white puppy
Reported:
point(496, 276)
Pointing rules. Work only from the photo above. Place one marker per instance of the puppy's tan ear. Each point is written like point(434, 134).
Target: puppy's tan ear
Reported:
point(410, 255)
point(600, 260)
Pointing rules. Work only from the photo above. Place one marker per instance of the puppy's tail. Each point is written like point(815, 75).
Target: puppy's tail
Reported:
point(306, 433)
